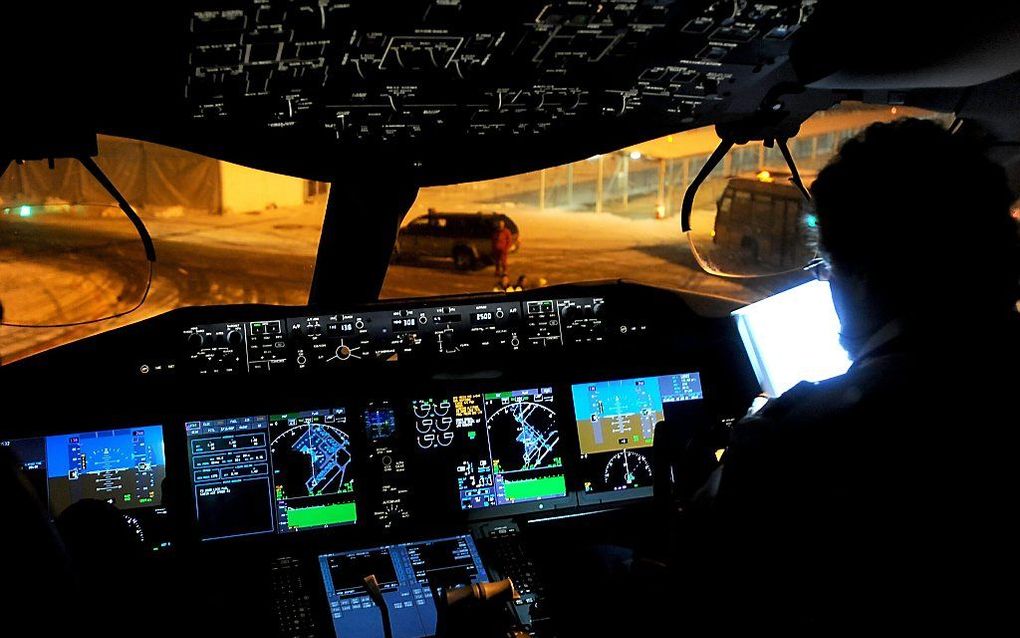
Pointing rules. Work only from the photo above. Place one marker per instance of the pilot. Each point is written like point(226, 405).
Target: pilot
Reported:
point(882, 499)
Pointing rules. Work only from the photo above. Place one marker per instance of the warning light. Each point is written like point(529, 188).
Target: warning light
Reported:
point(765, 177)
point(25, 211)
point(635, 155)
point(811, 221)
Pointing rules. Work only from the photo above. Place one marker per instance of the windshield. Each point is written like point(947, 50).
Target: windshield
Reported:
point(616, 215)
point(226, 234)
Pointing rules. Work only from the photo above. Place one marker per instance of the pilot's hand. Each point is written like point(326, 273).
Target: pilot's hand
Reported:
point(757, 404)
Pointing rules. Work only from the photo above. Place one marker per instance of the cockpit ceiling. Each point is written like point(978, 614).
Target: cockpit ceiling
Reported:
point(302, 86)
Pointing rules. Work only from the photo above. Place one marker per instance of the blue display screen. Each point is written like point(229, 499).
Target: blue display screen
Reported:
point(278, 472)
point(616, 425)
point(613, 415)
point(407, 575)
point(124, 467)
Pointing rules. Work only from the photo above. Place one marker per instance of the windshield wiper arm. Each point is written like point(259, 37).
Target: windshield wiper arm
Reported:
point(143, 232)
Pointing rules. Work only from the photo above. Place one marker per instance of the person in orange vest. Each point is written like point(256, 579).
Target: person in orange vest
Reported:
point(502, 239)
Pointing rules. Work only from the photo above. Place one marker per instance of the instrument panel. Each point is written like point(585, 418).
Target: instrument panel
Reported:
point(436, 332)
point(453, 419)
point(355, 72)
point(390, 464)
point(397, 414)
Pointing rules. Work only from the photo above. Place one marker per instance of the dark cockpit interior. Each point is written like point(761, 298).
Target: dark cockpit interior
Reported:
point(243, 468)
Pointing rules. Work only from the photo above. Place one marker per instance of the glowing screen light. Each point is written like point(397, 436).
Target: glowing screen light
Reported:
point(792, 337)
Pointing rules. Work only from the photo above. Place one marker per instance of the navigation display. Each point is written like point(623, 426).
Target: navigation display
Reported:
point(281, 472)
point(615, 425)
point(407, 575)
point(505, 444)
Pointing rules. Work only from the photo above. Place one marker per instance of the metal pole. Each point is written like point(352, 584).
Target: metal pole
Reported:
point(541, 190)
point(570, 185)
point(598, 183)
point(660, 204)
point(626, 180)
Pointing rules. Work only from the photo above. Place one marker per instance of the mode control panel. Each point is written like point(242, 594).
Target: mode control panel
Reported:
point(262, 346)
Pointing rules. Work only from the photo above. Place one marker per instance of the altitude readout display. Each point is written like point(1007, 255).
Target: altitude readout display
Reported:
point(615, 425)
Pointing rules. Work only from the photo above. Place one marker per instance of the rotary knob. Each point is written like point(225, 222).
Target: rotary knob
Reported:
point(343, 352)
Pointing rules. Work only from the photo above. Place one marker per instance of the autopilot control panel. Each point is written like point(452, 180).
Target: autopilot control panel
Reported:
point(404, 333)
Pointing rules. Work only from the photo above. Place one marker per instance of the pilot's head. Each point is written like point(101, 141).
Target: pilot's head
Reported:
point(916, 226)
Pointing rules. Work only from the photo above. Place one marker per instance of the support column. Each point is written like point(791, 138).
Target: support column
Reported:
point(363, 214)
point(660, 201)
point(541, 190)
point(625, 170)
point(570, 185)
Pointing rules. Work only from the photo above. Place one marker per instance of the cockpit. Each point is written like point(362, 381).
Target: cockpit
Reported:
point(364, 319)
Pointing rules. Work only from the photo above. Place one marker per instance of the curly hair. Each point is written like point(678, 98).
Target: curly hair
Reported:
point(924, 216)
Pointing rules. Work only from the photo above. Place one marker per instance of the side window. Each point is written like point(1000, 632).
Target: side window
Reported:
point(726, 204)
point(780, 215)
point(793, 213)
point(417, 226)
point(761, 205)
point(481, 229)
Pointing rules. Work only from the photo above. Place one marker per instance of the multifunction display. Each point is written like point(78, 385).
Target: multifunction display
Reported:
point(280, 472)
point(506, 445)
point(408, 574)
point(616, 422)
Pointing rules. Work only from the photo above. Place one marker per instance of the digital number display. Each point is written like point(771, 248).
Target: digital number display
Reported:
point(404, 324)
